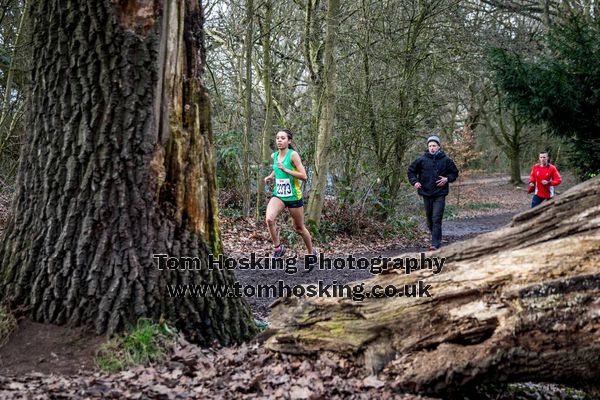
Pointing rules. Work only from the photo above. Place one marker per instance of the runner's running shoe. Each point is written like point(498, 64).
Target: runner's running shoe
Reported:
point(279, 251)
point(314, 256)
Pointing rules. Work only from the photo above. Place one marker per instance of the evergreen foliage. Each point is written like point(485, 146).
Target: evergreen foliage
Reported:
point(560, 87)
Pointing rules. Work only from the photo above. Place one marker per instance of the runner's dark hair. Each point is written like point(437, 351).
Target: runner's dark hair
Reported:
point(289, 135)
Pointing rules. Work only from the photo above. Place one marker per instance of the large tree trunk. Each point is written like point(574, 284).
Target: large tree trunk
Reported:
point(518, 304)
point(117, 166)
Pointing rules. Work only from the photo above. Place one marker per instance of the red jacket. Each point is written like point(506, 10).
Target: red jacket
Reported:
point(547, 173)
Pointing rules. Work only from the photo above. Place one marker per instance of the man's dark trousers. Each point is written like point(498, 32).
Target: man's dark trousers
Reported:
point(537, 200)
point(434, 210)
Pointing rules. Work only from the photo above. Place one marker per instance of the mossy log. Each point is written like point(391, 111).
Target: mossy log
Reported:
point(518, 304)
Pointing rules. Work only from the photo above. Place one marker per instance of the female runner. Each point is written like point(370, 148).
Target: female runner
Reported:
point(287, 172)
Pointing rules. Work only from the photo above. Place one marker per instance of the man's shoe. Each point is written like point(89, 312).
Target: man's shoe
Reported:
point(279, 251)
point(432, 248)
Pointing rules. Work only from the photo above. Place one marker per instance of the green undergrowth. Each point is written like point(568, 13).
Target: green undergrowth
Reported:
point(230, 212)
point(396, 225)
point(451, 211)
point(289, 235)
point(479, 206)
point(145, 343)
point(405, 226)
point(351, 213)
point(8, 323)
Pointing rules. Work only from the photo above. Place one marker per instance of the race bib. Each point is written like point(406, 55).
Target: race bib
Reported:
point(284, 187)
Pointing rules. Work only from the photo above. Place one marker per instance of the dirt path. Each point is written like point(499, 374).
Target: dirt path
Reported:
point(454, 231)
point(462, 229)
point(48, 349)
point(501, 180)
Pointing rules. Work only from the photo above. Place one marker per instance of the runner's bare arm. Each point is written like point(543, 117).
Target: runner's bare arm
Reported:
point(300, 172)
point(269, 178)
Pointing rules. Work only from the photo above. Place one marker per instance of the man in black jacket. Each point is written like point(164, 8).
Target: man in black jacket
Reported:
point(430, 175)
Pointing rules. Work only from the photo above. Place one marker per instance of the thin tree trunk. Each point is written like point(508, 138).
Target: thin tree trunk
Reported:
point(515, 166)
point(268, 126)
point(313, 58)
point(515, 143)
point(10, 73)
point(326, 120)
point(545, 6)
point(366, 75)
point(117, 166)
point(248, 45)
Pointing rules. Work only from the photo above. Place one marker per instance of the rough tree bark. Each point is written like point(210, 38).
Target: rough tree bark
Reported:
point(518, 304)
point(117, 166)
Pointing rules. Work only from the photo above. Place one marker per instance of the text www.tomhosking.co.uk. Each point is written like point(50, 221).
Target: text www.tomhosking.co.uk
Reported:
point(357, 291)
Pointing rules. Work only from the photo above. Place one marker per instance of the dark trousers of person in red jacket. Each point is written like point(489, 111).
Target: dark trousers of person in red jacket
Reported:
point(537, 200)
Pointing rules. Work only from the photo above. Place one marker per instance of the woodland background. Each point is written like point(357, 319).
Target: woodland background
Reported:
point(362, 86)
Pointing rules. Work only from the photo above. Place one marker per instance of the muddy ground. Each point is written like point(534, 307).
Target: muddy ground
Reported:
point(48, 349)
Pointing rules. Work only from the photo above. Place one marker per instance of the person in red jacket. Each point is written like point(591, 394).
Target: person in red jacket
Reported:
point(544, 176)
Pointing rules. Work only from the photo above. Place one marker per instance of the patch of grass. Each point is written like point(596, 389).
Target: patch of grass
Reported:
point(326, 231)
point(230, 212)
point(145, 343)
point(8, 323)
point(479, 206)
point(402, 225)
point(451, 211)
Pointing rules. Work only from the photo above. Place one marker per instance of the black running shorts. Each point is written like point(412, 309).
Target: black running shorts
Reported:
point(293, 204)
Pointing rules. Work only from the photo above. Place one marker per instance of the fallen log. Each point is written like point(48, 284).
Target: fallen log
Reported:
point(518, 304)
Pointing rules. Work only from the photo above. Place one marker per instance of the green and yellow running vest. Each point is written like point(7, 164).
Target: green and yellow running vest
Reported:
point(287, 188)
